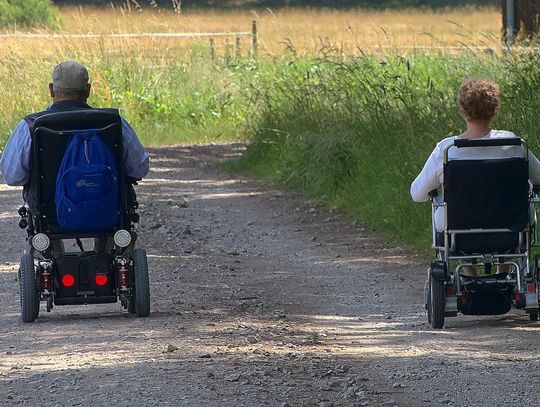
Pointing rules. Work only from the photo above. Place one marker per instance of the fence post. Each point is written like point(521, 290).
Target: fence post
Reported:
point(254, 40)
point(212, 50)
point(238, 49)
point(227, 51)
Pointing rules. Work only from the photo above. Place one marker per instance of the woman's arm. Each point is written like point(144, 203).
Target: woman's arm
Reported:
point(429, 177)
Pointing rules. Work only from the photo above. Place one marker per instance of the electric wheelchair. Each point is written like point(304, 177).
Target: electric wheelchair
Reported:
point(490, 228)
point(106, 271)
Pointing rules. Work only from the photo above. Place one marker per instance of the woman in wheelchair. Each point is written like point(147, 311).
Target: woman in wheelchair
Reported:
point(483, 213)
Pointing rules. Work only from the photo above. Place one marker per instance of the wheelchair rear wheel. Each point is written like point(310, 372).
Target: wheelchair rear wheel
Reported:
point(141, 296)
point(436, 301)
point(29, 289)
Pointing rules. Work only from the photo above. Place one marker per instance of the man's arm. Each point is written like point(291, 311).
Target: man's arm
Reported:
point(136, 160)
point(15, 160)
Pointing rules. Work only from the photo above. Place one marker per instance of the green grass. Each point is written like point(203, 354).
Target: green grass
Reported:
point(356, 133)
point(27, 13)
point(188, 99)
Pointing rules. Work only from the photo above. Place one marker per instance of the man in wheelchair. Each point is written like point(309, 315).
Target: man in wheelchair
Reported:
point(77, 166)
point(483, 215)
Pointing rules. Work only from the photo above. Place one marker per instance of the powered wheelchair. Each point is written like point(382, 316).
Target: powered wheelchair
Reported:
point(490, 228)
point(106, 271)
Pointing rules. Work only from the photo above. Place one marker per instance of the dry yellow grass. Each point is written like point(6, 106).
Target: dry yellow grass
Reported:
point(306, 30)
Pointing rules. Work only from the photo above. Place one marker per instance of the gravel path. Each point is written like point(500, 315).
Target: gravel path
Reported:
point(259, 298)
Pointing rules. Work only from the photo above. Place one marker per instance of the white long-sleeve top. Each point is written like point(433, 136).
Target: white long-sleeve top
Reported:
point(431, 176)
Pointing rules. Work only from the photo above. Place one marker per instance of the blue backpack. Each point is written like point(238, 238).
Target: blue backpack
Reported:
point(87, 188)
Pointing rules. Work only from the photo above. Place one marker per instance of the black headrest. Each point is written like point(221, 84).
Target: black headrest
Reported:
point(78, 119)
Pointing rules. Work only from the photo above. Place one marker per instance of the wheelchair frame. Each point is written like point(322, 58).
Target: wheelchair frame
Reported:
point(446, 290)
point(106, 275)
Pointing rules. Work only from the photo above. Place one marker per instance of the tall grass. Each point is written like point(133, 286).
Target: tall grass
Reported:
point(308, 29)
point(167, 102)
point(170, 89)
point(356, 133)
point(352, 131)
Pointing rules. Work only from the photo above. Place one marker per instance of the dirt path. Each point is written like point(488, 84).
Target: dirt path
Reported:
point(265, 300)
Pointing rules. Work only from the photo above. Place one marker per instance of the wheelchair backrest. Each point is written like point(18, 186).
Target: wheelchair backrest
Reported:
point(487, 194)
point(50, 137)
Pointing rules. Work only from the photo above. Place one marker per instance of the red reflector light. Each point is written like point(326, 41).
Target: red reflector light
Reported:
point(101, 279)
point(531, 288)
point(518, 297)
point(68, 280)
point(450, 291)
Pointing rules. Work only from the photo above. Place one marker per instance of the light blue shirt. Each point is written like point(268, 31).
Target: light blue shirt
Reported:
point(15, 160)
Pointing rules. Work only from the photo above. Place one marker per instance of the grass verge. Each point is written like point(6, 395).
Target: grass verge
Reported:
point(355, 133)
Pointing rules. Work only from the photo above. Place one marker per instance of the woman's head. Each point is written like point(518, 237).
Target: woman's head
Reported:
point(479, 99)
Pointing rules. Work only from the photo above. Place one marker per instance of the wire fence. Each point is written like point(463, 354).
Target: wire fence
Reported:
point(235, 47)
point(252, 35)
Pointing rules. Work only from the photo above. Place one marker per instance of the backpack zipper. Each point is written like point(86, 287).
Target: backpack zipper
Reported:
point(86, 151)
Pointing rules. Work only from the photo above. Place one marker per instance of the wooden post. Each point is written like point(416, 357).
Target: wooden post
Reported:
point(254, 39)
point(212, 50)
point(227, 51)
point(238, 49)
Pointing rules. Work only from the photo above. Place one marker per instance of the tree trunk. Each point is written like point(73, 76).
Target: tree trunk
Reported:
point(526, 17)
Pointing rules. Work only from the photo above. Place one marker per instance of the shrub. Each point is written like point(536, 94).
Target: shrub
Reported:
point(26, 13)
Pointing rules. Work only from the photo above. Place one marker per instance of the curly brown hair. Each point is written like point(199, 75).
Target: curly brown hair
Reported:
point(479, 98)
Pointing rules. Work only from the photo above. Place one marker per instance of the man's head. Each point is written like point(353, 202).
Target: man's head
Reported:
point(70, 81)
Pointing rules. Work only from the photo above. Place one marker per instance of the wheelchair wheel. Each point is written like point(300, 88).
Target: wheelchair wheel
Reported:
point(436, 303)
point(427, 299)
point(29, 289)
point(141, 295)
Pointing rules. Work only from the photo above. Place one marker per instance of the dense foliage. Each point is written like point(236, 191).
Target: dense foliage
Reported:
point(26, 13)
point(356, 133)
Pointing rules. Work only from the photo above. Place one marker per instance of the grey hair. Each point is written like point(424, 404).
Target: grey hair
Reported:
point(79, 94)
